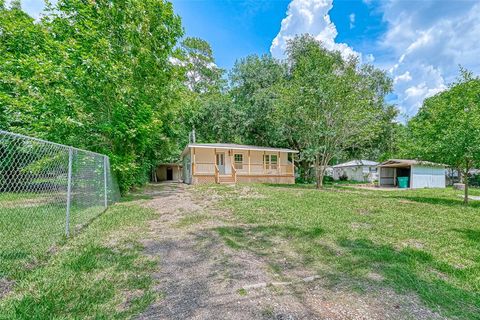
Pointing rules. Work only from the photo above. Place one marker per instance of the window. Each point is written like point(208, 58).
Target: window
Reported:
point(238, 161)
point(270, 161)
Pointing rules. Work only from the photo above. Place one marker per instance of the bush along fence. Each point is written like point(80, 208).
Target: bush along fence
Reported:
point(47, 191)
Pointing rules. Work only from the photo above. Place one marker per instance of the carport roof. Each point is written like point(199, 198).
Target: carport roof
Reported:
point(399, 163)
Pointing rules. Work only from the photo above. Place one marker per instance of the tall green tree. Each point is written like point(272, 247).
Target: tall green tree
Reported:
point(205, 105)
point(254, 89)
point(93, 74)
point(330, 105)
point(33, 92)
point(447, 127)
point(201, 72)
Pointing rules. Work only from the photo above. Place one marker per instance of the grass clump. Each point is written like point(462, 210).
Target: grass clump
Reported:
point(191, 219)
point(242, 292)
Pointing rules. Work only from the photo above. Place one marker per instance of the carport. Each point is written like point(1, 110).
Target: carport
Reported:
point(421, 174)
point(167, 172)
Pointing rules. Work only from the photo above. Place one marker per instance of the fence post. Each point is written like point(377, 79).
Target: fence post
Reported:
point(105, 167)
point(69, 192)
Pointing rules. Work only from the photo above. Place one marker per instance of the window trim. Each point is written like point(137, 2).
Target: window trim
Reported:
point(238, 164)
point(268, 163)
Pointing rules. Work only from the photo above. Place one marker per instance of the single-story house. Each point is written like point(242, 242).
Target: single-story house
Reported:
point(421, 174)
point(356, 170)
point(168, 172)
point(231, 163)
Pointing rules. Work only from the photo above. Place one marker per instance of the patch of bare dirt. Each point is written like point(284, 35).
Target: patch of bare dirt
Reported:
point(247, 192)
point(5, 286)
point(410, 243)
point(129, 296)
point(360, 225)
point(200, 277)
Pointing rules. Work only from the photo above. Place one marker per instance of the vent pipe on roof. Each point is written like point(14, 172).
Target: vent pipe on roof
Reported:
point(192, 137)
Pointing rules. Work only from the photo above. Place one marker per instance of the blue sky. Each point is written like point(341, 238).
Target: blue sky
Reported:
point(419, 43)
point(234, 29)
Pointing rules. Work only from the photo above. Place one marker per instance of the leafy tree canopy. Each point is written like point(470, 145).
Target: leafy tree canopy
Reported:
point(447, 127)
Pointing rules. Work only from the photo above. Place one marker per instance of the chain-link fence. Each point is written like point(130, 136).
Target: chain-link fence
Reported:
point(47, 191)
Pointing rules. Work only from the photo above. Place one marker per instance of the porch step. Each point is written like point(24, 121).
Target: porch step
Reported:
point(226, 180)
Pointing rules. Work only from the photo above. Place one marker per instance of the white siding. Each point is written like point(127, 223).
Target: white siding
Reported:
point(357, 173)
point(427, 177)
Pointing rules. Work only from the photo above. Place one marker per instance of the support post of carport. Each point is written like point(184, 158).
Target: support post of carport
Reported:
point(293, 163)
point(394, 177)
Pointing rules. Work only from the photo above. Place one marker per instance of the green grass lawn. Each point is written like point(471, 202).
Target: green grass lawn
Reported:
point(101, 273)
point(424, 242)
point(32, 226)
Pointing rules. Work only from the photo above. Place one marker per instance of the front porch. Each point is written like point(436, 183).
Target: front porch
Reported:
point(232, 165)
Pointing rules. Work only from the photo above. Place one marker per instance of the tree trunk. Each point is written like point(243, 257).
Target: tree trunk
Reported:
point(465, 183)
point(305, 165)
point(318, 173)
point(320, 177)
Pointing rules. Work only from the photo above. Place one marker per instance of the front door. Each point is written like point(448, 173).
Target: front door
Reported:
point(220, 157)
point(169, 174)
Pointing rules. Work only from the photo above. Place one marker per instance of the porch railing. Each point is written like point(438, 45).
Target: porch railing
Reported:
point(245, 169)
point(217, 172)
point(204, 167)
point(234, 173)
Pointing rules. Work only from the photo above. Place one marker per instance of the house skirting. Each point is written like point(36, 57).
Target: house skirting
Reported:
point(275, 179)
point(266, 179)
point(203, 178)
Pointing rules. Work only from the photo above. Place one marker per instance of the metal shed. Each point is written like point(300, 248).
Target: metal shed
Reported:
point(421, 174)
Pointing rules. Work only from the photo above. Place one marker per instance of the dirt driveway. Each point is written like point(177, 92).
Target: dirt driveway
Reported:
point(200, 277)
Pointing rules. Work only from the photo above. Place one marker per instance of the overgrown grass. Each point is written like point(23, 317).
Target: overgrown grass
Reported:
point(422, 242)
point(99, 274)
point(32, 226)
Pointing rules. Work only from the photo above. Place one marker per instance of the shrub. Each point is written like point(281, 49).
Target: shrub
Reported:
point(474, 180)
point(327, 179)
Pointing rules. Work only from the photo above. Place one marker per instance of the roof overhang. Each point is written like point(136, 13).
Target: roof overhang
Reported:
point(350, 164)
point(234, 147)
point(170, 164)
point(405, 163)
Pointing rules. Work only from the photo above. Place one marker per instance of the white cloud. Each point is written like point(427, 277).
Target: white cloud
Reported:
point(430, 41)
point(422, 48)
point(369, 58)
point(352, 20)
point(403, 77)
point(309, 16)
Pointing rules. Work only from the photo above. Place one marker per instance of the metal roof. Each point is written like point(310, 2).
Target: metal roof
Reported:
point(393, 163)
point(235, 147)
point(355, 163)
